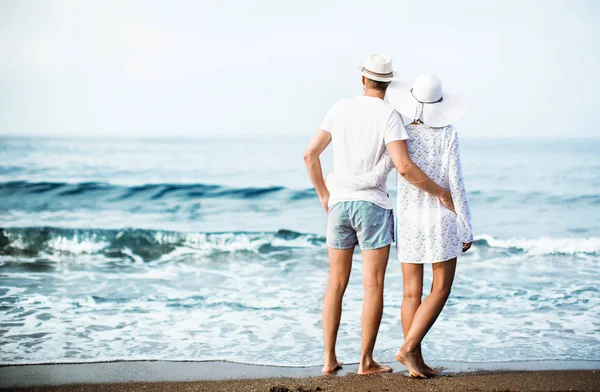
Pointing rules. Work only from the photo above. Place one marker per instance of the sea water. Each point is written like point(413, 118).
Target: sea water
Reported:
point(214, 249)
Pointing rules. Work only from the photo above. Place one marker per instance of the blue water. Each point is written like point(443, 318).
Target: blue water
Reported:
point(214, 249)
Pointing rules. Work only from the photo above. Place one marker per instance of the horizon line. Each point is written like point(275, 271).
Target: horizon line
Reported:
point(247, 136)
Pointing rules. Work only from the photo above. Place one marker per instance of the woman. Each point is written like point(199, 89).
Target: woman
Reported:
point(427, 232)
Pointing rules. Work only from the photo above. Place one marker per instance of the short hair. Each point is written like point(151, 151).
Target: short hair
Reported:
point(375, 85)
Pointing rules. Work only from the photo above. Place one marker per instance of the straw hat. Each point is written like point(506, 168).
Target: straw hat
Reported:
point(378, 67)
point(425, 100)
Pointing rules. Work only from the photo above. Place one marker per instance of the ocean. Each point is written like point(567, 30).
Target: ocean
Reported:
point(214, 248)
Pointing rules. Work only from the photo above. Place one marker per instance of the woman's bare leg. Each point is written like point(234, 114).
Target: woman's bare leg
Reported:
point(412, 275)
point(425, 316)
point(340, 265)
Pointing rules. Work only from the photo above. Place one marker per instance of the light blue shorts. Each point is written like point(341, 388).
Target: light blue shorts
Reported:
point(351, 223)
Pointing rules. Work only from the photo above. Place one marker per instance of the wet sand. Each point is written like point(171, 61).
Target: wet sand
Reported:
point(503, 381)
point(235, 377)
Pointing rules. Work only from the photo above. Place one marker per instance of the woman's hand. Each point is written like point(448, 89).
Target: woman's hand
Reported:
point(467, 246)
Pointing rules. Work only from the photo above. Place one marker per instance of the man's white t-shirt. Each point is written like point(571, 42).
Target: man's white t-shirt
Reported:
point(360, 129)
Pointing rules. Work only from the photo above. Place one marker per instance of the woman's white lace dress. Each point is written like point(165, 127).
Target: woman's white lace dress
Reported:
point(426, 231)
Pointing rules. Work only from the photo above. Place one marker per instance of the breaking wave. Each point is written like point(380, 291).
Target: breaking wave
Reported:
point(147, 244)
point(153, 244)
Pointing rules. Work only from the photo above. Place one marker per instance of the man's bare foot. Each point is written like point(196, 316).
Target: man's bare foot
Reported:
point(411, 361)
point(332, 367)
point(373, 368)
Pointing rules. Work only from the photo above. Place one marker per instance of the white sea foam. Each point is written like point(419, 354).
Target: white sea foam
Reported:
point(226, 242)
point(76, 245)
point(133, 256)
point(214, 293)
point(546, 245)
point(187, 310)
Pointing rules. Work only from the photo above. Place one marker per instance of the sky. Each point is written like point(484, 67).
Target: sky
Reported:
point(179, 68)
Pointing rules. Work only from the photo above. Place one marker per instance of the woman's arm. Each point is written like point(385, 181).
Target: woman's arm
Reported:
point(372, 179)
point(459, 194)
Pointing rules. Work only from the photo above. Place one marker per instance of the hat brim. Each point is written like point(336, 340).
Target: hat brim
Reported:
point(438, 114)
point(375, 77)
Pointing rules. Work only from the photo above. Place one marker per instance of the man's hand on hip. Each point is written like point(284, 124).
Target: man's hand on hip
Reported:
point(313, 164)
point(325, 201)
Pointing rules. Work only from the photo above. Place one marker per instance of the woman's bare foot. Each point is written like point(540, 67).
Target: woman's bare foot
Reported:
point(411, 361)
point(426, 369)
point(332, 366)
point(429, 371)
point(373, 368)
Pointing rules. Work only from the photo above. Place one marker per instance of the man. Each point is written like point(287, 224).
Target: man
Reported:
point(361, 128)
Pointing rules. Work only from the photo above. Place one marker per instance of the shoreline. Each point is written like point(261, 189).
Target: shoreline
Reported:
point(207, 372)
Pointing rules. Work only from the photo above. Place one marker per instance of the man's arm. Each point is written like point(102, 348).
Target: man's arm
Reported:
point(313, 164)
point(413, 174)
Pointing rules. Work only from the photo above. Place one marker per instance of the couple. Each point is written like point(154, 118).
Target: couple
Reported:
point(433, 219)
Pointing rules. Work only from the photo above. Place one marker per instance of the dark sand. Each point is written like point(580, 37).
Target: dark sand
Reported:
point(237, 377)
point(502, 381)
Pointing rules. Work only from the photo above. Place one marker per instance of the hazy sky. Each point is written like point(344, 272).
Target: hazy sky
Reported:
point(195, 68)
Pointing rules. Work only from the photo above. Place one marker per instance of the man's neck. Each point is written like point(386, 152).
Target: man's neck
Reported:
point(374, 93)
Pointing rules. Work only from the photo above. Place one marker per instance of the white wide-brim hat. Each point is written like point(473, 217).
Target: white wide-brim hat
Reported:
point(425, 100)
point(378, 67)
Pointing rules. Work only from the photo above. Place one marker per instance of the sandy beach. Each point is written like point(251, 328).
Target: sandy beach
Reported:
point(239, 377)
point(501, 381)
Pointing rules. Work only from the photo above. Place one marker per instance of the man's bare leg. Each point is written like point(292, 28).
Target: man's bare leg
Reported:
point(340, 265)
point(374, 266)
point(426, 314)
point(413, 291)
